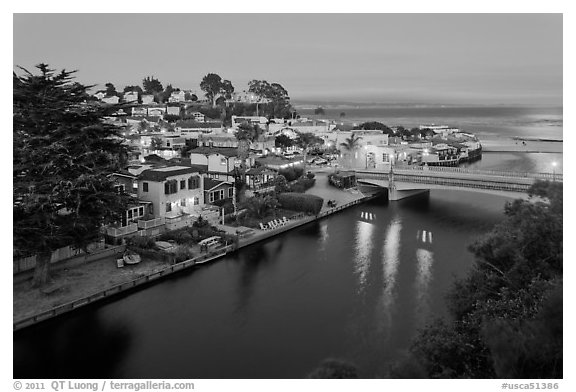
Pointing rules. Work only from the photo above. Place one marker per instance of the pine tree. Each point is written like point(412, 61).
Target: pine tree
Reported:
point(63, 153)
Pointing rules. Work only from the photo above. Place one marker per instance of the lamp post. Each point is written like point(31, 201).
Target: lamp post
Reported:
point(554, 171)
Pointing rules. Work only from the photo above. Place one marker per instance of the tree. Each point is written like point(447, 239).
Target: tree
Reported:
point(280, 184)
point(319, 111)
point(152, 85)
point(110, 90)
point(305, 141)
point(507, 313)
point(245, 134)
point(283, 141)
point(63, 152)
point(214, 87)
point(190, 97)
point(375, 125)
point(143, 126)
point(260, 206)
point(278, 101)
point(351, 144)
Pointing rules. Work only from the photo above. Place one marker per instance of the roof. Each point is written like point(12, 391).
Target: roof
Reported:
point(226, 151)
point(186, 162)
point(258, 170)
point(161, 174)
point(278, 160)
point(210, 184)
point(196, 124)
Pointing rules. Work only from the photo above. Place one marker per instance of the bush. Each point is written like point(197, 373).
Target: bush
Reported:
point(141, 242)
point(310, 175)
point(302, 185)
point(292, 173)
point(183, 253)
point(201, 222)
point(301, 202)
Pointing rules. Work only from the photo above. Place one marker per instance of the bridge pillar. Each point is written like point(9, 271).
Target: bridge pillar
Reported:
point(395, 194)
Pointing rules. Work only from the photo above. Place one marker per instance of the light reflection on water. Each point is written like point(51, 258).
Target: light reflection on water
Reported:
point(363, 251)
point(425, 259)
point(390, 262)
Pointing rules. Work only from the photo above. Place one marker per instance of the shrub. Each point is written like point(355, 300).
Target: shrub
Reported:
point(280, 184)
point(310, 175)
point(302, 185)
point(292, 173)
point(141, 242)
point(301, 202)
point(183, 253)
point(200, 222)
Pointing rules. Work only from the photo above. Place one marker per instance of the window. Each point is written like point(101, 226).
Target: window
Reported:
point(129, 214)
point(183, 202)
point(212, 196)
point(144, 187)
point(182, 184)
point(221, 194)
point(140, 211)
point(386, 157)
point(119, 188)
point(170, 187)
point(223, 161)
point(168, 207)
point(195, 200)
point(231, 192)
point(193, 182)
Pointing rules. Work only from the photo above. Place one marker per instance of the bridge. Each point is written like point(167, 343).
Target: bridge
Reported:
point(406, 181)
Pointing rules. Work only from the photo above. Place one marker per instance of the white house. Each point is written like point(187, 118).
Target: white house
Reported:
point(174, 191)
point(147, 99)
point(177, 96)
point(221, 162)
point(111, 100)
point(131, 96)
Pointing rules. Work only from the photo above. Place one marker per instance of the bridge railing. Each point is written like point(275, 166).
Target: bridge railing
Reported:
point(463, 183)
point(439, 169)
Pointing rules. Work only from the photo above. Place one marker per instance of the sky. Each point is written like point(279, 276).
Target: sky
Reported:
point(428, 58)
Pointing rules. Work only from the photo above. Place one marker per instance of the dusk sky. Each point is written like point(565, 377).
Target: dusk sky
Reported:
point(444, 58)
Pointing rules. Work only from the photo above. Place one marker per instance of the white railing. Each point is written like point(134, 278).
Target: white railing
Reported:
point(421, 170)
point(148, 224)
point(120, 231)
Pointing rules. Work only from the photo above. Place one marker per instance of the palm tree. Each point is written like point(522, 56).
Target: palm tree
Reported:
point(245, 134)
point(305, 140)
point(351, 144)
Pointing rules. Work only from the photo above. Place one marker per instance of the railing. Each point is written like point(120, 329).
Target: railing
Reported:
point(463, 183)
point(457, 170)
point(148, 224)
point(120, 231)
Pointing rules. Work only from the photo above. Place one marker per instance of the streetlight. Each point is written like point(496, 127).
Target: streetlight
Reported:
point(554, 171)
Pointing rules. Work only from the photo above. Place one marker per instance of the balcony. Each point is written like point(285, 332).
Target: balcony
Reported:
point(122, 231)
point(148, 224)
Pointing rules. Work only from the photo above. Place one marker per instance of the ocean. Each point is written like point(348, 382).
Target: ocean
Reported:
point(488, 122)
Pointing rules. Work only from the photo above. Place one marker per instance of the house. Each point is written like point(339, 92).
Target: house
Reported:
point(100, 94)
point(147, 99)
point(177, 96)
point(199, 117)
point(111, 99)
point(221, 162)
point(215, 190)
point(217, 140)
point(173, 191)
point(173, 110)
point(158, 110)
point(139, 111)
point(252, 120)
point(279, 162)
point(131, 96)
point(194, 127)
point(260, 179)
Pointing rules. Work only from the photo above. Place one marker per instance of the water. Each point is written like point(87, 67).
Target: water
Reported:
point(485, 121)
point(356, 286)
